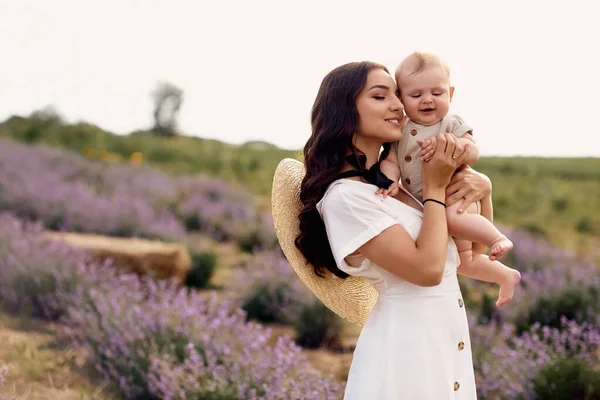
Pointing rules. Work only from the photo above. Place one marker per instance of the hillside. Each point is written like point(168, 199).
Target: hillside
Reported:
point(558, 198)
point(251, 164)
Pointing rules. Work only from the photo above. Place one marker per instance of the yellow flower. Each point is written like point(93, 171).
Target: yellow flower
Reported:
point(136, 158)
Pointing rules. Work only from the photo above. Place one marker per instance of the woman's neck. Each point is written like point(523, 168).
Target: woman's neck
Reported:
point(370, 149)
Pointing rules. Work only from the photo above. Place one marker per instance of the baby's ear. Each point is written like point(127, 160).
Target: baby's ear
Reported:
point(451, 92)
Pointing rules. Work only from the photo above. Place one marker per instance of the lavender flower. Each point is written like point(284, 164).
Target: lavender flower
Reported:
point(152, 338)
point(506, 364)
point(66, 191)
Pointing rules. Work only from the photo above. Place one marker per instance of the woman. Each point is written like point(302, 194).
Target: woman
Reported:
point(415, 344)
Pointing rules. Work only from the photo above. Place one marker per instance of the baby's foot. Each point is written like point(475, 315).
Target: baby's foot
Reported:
point(507, 288)
point(499, 248)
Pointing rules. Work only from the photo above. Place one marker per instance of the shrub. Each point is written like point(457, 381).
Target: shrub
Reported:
point(34, 271)
point(252, 240)
point(575, 303)
point(269, 290)
point(534, 228)
point(203, 268)
point(259, 236)
point(567, 378)
point(585, 225)
point(488, 309)
point(560, 204)
point(317, 326)
point(269, 302)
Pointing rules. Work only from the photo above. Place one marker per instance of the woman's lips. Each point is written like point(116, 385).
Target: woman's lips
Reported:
point(394, 121)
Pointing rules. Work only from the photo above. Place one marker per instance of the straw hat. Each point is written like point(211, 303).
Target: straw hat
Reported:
point(351, 298)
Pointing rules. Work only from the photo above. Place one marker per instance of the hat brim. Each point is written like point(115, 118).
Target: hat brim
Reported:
point(351, 298)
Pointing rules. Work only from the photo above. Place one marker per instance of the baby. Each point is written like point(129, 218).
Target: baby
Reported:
point(423, 80)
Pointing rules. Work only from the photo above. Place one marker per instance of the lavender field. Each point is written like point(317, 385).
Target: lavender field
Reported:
point(182, 343)
point(66, 191)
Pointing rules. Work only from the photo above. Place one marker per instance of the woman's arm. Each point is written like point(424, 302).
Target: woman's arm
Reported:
point(422, 261)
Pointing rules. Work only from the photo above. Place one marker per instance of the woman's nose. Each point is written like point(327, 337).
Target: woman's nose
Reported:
point(397, 105)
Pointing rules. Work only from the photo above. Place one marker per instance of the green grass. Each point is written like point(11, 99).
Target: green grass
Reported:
point(251, 164)
point(558, 198)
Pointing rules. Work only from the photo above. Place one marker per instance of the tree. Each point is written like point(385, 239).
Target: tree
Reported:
point(167, 102)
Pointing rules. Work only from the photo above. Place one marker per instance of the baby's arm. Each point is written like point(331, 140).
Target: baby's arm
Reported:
point(472, 150)
point(389, 166)
point(464, 134)
point(464, 142)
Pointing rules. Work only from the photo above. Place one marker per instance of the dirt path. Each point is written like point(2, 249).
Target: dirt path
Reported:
point(40, 368)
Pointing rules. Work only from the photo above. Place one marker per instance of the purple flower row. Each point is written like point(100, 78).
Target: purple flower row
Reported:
point(66, 191)
point(545, 271)
point(506, 365)
point(152, 338)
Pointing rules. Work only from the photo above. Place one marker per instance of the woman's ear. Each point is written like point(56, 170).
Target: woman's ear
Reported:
point(451, 92)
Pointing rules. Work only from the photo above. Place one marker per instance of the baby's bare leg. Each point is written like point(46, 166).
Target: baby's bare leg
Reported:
point(475, 228)
point(480, 267)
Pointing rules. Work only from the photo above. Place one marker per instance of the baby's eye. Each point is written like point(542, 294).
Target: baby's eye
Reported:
point(437, 94)
point(415, 96)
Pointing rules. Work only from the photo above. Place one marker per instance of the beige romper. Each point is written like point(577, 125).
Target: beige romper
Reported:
point(408, 150)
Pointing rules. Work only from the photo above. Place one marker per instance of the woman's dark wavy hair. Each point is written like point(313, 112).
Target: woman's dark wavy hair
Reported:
point(334, 121)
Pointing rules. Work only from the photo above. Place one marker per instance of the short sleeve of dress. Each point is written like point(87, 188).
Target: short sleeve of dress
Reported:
point(458, 127)
point(352, 218)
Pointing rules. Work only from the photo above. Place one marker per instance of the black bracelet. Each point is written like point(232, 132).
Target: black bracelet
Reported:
point(435, 201)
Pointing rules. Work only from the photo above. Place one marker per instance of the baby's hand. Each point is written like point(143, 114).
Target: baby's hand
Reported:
point(427, 148)
point(390, 191)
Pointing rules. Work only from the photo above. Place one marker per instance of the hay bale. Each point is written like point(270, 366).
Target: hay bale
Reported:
point(144, 257)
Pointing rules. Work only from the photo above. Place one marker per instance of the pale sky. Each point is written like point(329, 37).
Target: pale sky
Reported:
point(525, 72)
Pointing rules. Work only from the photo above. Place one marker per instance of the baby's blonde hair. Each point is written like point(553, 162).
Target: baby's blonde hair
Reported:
point(419, 60)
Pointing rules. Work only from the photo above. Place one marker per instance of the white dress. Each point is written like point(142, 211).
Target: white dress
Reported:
point(415, 344)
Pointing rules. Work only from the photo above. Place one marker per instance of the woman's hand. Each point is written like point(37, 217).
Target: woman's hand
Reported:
point(468, 184)
point(438, 170)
